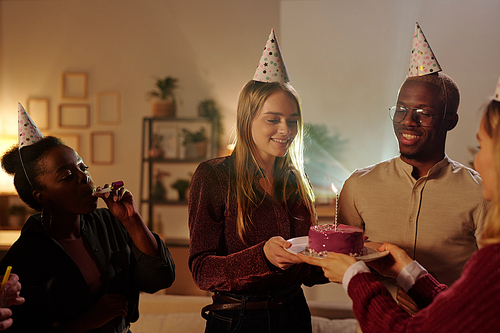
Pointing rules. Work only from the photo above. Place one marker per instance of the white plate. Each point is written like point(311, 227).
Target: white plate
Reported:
point(299, 244)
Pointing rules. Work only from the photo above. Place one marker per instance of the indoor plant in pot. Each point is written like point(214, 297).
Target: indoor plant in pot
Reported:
point(209, 109)
point(196, 143)
point(156, 150)
point(159, 192)
point(181, 185)
point(164, 104)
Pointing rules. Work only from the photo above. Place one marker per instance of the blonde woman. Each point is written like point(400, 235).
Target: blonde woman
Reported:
point(243, 207)
point(471, 304)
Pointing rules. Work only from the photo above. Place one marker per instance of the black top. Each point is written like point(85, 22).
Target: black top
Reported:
point(54, 287)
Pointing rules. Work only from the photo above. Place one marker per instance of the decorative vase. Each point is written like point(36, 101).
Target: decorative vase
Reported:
point(156, 152)
point(159, 192)
point(164, 108)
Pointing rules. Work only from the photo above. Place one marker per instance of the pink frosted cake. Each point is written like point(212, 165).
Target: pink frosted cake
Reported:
point(347, 239)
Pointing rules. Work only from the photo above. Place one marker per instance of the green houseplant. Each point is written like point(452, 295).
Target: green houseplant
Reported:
point(156, 150)
point(181, 185)
point(322, 150)
point(209, 109)
point(196, 143)
point(159, 192)
point(165, 102)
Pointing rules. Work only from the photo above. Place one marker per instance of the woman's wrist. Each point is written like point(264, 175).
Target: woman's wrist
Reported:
point(410, 274)
point(357, 267)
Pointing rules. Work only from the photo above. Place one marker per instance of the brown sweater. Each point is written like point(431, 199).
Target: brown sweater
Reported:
point(472, 304)
point(218, 259)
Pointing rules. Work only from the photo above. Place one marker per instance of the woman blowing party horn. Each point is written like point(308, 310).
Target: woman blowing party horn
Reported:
point(81, 268)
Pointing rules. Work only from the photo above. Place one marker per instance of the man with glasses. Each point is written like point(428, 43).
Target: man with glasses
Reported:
point(422, 201)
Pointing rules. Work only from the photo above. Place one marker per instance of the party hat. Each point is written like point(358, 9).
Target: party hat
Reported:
point(422, 60)
point(27, 130)
point(271, 67)
point(496, 96)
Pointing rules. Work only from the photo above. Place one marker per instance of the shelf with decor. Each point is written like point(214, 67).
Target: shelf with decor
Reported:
point(172, 148)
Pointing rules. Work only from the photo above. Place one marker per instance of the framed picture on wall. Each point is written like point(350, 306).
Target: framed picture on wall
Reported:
point(74, 85)
point(38, 109)
point(70, 140)
point(108, 107)
point(74, 115)
point(102, 148)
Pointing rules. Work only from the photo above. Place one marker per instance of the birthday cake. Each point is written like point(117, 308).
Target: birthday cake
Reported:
point(345, 239)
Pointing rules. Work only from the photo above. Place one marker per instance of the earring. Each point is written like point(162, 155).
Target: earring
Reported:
point(42, 215)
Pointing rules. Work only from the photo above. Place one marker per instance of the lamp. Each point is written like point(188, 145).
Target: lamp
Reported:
point(6, 183)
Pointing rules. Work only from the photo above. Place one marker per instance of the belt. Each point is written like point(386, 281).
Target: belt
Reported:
point(232, 303)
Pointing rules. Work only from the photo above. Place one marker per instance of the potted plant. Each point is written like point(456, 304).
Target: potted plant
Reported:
point(195, 143)
point(209, 109)
point(181, 185)
point(165, 102)
point(159, 192)
point(322, 151)
point(156, 150)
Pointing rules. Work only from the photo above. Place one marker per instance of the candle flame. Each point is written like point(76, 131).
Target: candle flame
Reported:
point(334, 189)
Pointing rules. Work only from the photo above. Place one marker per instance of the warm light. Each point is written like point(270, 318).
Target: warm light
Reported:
point(230, 148)
point(6, 181)
point(334, 189)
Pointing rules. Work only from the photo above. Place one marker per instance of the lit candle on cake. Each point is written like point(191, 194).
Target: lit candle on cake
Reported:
point(334, 189)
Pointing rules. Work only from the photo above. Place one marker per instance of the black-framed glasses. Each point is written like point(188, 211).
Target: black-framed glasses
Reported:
point(420, 116)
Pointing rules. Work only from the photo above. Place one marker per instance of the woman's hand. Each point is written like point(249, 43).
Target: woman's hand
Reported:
point(120, 203)
point(12, 290)
point(392, 264)
point(275, 252)
point(5, 320)
point(334, 265)
point(10, 296)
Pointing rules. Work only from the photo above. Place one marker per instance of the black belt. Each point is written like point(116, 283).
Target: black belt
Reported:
point(232, 303)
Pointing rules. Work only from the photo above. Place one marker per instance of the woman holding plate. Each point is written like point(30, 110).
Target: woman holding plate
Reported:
point(470, 304)
point(243, 207)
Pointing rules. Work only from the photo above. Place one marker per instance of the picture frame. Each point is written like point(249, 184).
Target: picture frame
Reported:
point(168, 140)
point(70, 140)
point(75, 85)
point(74, 115)
point(102, 147)
point(108, 107)
point(38, 109)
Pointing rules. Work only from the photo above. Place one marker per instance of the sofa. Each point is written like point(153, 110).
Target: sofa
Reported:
point(162, 313)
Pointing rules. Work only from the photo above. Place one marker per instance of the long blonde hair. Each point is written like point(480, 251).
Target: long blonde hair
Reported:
point(250, 102)
point(490, 123)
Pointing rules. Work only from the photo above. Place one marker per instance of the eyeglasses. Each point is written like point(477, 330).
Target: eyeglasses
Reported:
point(420, 116)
